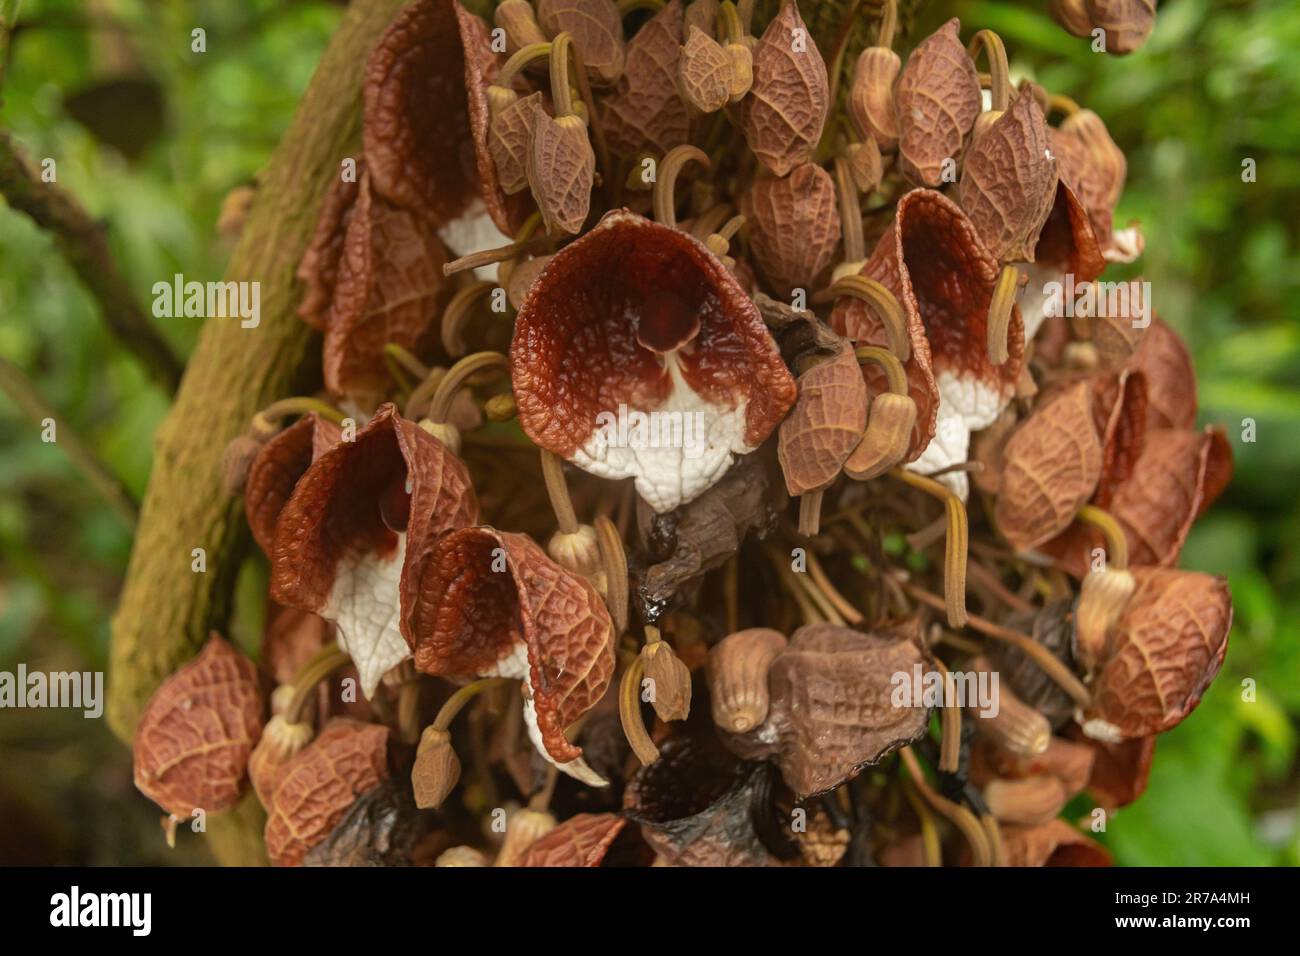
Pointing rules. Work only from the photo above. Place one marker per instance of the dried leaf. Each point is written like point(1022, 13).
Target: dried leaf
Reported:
point(1052, 464)
point(938, 98)
point(794, 226)
point(645, 113)
point(1177, 477)
point(276, 470)
point(783, 115)
point(581, 840)
point(381, 829)
point(1008, 181)
point(390, 289)
point(492, 604)
point(1164, 653)
point(319, 267)
point(193, 740)
point(597, 30)
point(704, 72)
point(415, 107)
point(832, 711)
point(353, 537)
point(826, 424)
point(561, 169)
point(320, 784)
point(634, 318)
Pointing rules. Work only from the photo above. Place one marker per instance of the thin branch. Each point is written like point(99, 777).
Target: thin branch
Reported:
point(81, 241)
point(14, 384)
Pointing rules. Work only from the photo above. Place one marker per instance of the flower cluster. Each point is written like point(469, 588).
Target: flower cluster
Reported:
point(874, 283)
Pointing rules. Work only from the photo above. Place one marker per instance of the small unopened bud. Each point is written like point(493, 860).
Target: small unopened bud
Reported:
point(437, 769)
point(280, 741)
point(445, 432)
point(672, 681)
point(525, 828)
point(741, 77)
point(561, 172)
point(516, 17)
point(1106, 163)
point(703, 72)
point(500, 408)
point(888, 436)
point(871, 97)
point(737, 670)
point(1016, 727)
point(1028, 801)
point(578, 552)
point(461, 856)
point(1102, 600)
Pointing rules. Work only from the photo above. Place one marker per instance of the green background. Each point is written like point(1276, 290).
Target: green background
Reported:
point(1214, 85)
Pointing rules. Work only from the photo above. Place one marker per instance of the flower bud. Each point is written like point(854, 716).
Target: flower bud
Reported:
point(578, 552)
point(888, 435)
point(1027, 801)
point(741, 76)
point(871, 97)
point(1106, 165)
point(704, 72)
point(445, 432)
point(672, 681)
point(1016, 727)
point(461, 856)
point(1102, 600)
point(561, 170)
point(516, 17)
point(865, 165)
point(522, 831)
point(737, 672)
point(280, 741)
point(437, 769)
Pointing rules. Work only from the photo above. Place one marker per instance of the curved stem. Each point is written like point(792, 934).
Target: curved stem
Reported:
point(597, 129)
point(521, 59)
point(408, 710)
point(1049, 663)
point(561, 91)
point(321, 664)
point(1116, 540)
point(487, 257)
point(558, 490)
point(614, 556)
point(886, 359)
point(930, 848)
point(406, 360)
point(457, 375)
point(841, 603)
point(1059, 103)
point(629, 712)
point(887, 307)
point(955, 543)
point(457, 313)
point(959, 816)
point(999, 74)
point(999, 319)
point(850, 212)
point(267, 420)
point(665, 211)
point(950, 745)
point(810, 512)
point(732, 28)
point(888, 24)
point(457, 701)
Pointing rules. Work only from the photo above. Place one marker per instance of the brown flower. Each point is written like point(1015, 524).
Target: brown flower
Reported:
point(935, 265)
point(320, 784)
point(581, 840)
point(826, 424)
point(491, 604)
point(638, 317)
point(645, 112)
point(597, 30)
point(276, 470)
point(832, 711)
point(783, 115)
point(794, 226)
point(1163, 654)
point(193, 740)
point(938, 98)
point(360, 523)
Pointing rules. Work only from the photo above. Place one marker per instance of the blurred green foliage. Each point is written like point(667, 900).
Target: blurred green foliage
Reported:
point(1215, 85)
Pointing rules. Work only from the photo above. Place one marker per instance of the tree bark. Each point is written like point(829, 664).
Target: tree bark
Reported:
point(166, 609)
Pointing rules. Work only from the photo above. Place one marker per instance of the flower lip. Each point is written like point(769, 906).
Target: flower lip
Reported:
point(636, 315)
